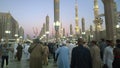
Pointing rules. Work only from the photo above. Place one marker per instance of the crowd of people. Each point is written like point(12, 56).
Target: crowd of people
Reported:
point(66, 54)
point(102, 54)
point(10, 52)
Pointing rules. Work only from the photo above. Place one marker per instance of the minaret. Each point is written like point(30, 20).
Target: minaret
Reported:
point(63, 32)
point(91, 30)
point(76, 19)
point(91, 33)
point(97, 21)
point(47, 24)
point(83, 28)
point(71, 30)
point(83, 25)
point(96, 8)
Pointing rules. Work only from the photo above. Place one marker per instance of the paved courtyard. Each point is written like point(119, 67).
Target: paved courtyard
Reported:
point(25, 64)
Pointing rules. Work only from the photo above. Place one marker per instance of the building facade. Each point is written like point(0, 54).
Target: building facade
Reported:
point(8, 26)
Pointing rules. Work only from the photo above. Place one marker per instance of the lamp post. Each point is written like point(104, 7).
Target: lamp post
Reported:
point(7, 32)
point(56, 25)
point(2, 40)
point(117, 30)
point(21, 39)
point(91, 37)
point(16, 36)
point(83, 35)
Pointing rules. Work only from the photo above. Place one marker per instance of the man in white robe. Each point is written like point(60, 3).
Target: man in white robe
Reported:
point(70, 46)
point(63, 56)
point(108, 55)
point(27, 54)
point(15, 50)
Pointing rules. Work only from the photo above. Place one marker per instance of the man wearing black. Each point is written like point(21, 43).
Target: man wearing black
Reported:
point(116, 52)
point(81, 57)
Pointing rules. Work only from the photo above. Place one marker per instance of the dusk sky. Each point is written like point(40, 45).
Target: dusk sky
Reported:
point(32, 13)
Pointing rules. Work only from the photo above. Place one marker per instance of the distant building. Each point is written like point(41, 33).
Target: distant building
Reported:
point(8, 23)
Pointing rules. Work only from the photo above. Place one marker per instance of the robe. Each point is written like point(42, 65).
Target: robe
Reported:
point(70, 46)
point(19, 52)
point(108, 56)
point(81, 57)
point(95, 54)
point(63, 57)
point(36, 56)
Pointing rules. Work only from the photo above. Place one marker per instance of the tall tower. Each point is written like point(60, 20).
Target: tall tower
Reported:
point(83, 25)
point(71, 30)
point(76, 19)
point(83, 29)
point(63, 32)
point(96, 8)
point(47, 24)
point(97, 21)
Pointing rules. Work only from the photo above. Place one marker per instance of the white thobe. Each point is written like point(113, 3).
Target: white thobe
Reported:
point(70, 46)
point(108, 56)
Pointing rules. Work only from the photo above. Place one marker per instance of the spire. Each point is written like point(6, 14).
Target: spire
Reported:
point(83, 24)
point(76, 2)
point(76, 8)
point(76, 18)
point(96, 8)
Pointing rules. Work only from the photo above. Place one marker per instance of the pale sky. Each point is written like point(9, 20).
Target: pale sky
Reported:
point(32, 13)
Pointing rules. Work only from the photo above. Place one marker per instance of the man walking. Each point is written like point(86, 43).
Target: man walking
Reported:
point(81, 57)
point(63, 56)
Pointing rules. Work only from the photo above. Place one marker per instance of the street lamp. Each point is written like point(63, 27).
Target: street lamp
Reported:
point(57, 24)
point(16, 35)
point(91, 37)
point(117, 30)
point(21, 39)
point(83, 35)
point(7, 32)
point(117, 26)
point(2, 40)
